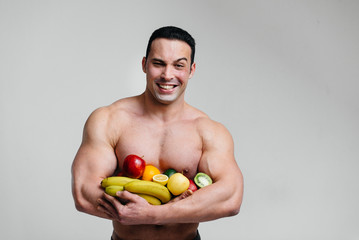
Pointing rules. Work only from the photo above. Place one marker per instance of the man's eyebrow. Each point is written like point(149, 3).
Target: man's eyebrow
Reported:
point(157, 60)
point(180, 59)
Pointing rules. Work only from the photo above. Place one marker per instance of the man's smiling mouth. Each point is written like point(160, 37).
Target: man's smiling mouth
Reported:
point(166, 87)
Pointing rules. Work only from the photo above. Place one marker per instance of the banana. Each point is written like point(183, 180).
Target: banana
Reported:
point(150, 199)
point(112, 190)
point(116, 181)
point(150, 188)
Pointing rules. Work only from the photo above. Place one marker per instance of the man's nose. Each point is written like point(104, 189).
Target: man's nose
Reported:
point(167, 73)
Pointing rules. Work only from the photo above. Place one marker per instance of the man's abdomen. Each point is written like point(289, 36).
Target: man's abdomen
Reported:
point(185, 231)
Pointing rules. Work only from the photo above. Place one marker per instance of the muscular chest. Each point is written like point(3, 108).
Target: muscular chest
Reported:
point(175, 145)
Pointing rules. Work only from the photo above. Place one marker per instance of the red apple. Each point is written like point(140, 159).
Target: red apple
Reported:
point(192, 186)
point(133, 166)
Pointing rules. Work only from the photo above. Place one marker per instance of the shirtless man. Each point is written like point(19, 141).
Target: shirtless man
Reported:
point(169, 133)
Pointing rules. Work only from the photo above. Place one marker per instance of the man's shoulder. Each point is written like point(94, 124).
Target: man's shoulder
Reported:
point(200, 117)
point(122, 107)
point(207, 127)
point(213, 133)
point(108, 120)
point(116, 113)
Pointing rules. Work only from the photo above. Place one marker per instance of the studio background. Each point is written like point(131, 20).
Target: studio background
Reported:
point(282, 76)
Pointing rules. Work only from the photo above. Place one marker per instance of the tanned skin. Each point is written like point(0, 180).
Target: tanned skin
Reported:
point(169, 133)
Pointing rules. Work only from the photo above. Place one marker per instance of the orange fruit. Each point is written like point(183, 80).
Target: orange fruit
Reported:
point(149, 172)
point(160, 178)
point(177, 184)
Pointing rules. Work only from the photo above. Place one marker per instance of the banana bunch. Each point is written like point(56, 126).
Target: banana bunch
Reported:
point(153, 192)
point(116, 181)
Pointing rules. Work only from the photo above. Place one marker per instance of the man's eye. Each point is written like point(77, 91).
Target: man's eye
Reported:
point(179, 66)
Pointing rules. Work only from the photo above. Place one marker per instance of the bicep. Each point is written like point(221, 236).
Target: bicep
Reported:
point(219, 163)
point(218, 159)
point(94, 161)
point(91, 165)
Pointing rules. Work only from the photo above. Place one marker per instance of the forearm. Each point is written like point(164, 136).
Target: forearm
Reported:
point(85, 198)
point(209, 203)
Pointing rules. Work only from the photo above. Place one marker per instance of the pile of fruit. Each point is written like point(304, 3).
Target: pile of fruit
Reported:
point(149, 183)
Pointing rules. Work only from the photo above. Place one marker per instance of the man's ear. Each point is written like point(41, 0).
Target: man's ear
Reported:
point(192, 70)
point(144, 64)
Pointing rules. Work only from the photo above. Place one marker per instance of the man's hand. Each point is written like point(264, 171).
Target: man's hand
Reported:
point(128, 209)
point(184, 195)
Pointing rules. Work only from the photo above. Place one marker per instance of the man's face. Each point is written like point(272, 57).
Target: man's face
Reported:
point(168, 68)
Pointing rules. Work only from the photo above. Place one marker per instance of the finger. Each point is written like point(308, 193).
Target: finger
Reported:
point(105, 204)
point(128, 197)
point(107, 207)
point(184, 195)
point(106, 212)
point(114, 203)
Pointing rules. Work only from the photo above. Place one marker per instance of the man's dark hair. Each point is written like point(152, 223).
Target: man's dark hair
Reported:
point(176, 33)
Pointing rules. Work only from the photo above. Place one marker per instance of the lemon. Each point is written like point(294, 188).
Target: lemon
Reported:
point(160, 178)
point(177, 184)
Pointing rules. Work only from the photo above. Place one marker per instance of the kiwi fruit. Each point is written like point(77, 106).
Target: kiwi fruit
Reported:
point(202, 180)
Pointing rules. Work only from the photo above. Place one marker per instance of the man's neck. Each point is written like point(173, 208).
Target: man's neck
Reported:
point(161, 111)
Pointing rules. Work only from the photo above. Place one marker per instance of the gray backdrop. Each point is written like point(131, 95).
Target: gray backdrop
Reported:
point(281, 75)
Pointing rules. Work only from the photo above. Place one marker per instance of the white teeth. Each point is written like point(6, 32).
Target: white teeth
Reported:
point(166, 86)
